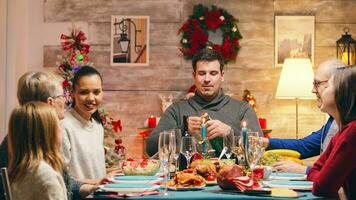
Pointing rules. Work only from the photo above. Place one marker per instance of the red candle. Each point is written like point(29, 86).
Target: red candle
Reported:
point(263, 122)
point(152, 122)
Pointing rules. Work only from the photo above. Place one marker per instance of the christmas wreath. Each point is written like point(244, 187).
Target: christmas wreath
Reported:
point(196, 32)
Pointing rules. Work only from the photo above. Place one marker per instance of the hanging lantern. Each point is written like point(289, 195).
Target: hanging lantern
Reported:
point(346, 49)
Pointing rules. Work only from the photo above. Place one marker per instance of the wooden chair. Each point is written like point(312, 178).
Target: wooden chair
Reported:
point(6, 183)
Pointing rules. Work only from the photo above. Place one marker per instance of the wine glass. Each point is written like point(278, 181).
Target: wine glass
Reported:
point(229, 143)
point(188, 148)
point(238, 149)
point(166, 149)
point(178, 138)
point(255, 149)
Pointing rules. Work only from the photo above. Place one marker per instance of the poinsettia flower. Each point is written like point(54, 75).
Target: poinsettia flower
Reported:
point(213, 20)
point(116, 125)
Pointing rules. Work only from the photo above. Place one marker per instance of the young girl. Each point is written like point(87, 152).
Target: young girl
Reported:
point(83, 133)
point(336, 168)
point(35, 162)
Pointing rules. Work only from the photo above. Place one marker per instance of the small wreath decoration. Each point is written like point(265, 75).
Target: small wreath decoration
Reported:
point(196, 32)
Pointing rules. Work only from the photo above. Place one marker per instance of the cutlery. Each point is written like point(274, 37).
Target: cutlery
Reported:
point(222, 152)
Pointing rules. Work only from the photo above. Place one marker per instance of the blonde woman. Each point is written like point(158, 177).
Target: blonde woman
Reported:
point(35, 161)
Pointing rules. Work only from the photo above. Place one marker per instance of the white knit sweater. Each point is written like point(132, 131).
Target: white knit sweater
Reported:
point(83, 146)
point(44, 183)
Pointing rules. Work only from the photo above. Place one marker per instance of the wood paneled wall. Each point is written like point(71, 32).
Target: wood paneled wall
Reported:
point(132, 92)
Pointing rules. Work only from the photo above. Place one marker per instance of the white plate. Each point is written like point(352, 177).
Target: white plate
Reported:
point(185, 188)
point(127, 190)
point(294, 185)
point(136, 179)
point(288, 176)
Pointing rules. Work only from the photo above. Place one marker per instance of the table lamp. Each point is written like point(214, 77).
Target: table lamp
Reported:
point(296, 82)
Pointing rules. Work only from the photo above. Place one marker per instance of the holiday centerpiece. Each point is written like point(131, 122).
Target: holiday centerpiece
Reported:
point(75, 56)
point(204, 21)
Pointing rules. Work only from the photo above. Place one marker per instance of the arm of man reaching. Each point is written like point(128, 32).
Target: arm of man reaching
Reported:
point(308, 146)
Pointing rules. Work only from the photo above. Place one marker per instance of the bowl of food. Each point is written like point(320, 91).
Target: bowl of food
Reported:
point(140, 167)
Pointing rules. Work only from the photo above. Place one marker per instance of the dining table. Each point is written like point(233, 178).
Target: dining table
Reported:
point(206, 193)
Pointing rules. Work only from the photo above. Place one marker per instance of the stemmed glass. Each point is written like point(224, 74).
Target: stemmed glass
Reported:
point(188, 147)
point(178, 138)
point(229, 143)
point(166, 149)
point(238, 149)
point(255, 149)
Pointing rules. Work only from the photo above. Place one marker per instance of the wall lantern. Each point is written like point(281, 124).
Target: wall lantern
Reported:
point(346, 48)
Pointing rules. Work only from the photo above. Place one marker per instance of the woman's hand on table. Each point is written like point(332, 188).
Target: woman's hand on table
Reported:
point(289, 166)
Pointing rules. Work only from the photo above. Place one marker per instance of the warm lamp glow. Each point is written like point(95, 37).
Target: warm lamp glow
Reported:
point(348, 58)
point(296, 80)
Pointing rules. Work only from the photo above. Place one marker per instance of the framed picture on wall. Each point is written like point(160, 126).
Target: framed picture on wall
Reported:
point(129, 40)
point(294, 38)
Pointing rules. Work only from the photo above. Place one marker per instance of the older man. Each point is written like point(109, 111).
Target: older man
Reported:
point(226, 113)
point(317, 141)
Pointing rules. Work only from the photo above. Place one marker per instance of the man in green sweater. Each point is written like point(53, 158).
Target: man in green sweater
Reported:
point(226, 113)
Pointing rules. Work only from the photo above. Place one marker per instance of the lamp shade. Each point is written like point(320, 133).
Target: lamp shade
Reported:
point(296, 80)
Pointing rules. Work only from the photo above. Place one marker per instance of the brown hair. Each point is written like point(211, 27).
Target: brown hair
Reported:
point(34, 136)
point(208, 55)
point(345, 93)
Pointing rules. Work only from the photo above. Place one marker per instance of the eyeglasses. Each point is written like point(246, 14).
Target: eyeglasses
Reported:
point(317, 84)
point(59, 96)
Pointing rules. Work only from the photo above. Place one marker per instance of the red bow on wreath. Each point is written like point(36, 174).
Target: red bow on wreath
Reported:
point(76, 41)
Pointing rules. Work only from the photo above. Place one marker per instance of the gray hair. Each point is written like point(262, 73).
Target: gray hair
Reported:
point(331, 65)
point(37, 86)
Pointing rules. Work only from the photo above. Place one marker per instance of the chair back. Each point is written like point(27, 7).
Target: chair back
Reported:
point(6, 183)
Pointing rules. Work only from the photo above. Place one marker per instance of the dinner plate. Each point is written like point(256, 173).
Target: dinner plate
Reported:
point(128, 188)
point(136, 179)
point(295, 185)
point(288, 176)
point(185, 188)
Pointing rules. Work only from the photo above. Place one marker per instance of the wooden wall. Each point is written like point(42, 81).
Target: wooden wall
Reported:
point(131, 93)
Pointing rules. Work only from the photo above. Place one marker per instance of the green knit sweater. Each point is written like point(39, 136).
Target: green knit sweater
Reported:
point(224, 108)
